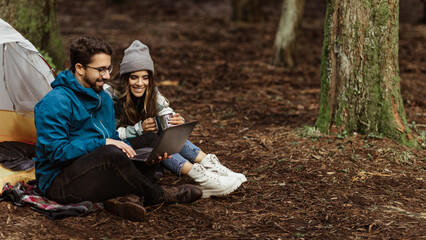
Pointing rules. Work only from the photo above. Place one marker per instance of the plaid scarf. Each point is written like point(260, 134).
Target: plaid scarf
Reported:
point(26, 194)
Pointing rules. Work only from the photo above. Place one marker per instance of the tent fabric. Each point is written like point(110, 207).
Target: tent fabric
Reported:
point(9, 34)
point(17, 127)
point(25, 78)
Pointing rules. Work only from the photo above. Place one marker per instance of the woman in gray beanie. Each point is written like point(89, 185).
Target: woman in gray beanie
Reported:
point(138, 105)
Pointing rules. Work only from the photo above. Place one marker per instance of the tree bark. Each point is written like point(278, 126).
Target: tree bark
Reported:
point(285, 39)
point(247, 10)
point(36, 21)
point(360, 83)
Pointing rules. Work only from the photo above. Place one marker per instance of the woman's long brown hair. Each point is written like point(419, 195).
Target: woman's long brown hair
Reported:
point(128, 103)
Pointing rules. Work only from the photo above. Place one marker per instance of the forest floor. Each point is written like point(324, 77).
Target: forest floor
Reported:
point(258, 119)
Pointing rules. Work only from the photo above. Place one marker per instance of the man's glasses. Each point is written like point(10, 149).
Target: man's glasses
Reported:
point(102, 70)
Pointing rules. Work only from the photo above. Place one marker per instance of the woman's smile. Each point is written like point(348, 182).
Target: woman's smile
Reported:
point(138, 82)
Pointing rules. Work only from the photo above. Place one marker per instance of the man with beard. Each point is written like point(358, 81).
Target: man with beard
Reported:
point(79, 155)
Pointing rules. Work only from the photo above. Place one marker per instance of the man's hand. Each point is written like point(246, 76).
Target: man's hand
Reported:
point(149, 125)
point(126, 148)
point(159, 159)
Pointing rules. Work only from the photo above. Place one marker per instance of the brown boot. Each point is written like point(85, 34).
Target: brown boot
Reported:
point(128, 207)
point(182, 194)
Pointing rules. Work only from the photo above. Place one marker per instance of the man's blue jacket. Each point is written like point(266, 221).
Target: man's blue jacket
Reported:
point(71, 121)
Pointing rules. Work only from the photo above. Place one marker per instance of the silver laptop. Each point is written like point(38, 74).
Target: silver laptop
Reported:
point(171, 141)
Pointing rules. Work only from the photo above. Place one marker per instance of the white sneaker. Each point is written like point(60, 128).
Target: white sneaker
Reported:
point(211, 163)
point(211, 183)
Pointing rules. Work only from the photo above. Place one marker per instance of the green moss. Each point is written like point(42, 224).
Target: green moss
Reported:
point(324, 119)
point(382, 14)
point(367, 4)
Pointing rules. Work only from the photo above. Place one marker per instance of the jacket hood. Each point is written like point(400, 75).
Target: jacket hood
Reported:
point(67, 80)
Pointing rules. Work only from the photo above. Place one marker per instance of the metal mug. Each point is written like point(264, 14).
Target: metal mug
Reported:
point(163, 121)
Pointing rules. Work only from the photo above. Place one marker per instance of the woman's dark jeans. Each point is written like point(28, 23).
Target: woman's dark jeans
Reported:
point(106, 173)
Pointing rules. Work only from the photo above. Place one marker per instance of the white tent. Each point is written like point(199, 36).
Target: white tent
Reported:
point(25, 78)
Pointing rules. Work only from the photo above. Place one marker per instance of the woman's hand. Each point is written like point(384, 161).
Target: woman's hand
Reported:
point(176, 119)
point(158, 160)
point(148, 125)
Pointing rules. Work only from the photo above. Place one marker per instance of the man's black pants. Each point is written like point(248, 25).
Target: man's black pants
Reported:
point(106, 173)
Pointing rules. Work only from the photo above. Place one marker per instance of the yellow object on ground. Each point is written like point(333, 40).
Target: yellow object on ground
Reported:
point(17, 127)
point(12, 177)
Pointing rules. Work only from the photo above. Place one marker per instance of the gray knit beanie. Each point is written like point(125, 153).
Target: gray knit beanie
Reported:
point(136, 58)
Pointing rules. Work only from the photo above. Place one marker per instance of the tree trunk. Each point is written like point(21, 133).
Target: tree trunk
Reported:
point(285, 39)
point(36, 21)
point(247, 10)
point(360, 83)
